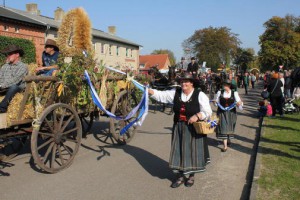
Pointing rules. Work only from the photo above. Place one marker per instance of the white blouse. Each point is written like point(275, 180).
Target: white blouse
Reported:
point(168, 97)
point(228, 95)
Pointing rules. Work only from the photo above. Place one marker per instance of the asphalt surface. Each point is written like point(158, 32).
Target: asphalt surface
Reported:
point(139, 170)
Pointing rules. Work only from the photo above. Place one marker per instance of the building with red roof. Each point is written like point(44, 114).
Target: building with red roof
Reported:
point(162, 62)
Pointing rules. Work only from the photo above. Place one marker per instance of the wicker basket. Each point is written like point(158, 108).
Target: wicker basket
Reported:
point(203, 127)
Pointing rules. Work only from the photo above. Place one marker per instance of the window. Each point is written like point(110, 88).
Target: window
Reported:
point(17, 29)
point(117, 50)
point(126, 52)
point(109, 50)
point(5, 28)
point(142, 65)
point(102, 48)
point(132, 53)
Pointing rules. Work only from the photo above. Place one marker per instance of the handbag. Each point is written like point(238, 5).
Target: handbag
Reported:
point(265, 94)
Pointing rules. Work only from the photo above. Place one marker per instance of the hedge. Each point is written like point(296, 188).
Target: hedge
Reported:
point(26, 45)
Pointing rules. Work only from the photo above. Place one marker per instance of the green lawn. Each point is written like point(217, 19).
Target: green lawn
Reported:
point(280, 161)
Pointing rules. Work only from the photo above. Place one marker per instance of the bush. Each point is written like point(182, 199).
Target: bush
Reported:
point(26, 45)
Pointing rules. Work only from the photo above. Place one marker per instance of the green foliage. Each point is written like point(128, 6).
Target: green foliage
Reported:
point(243, 58)
point(280, 43)
point(72, 75)
point(166, 51)
point(27, 46)
point(213, 45)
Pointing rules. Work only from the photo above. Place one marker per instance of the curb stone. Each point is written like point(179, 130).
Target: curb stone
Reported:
point(256, 174)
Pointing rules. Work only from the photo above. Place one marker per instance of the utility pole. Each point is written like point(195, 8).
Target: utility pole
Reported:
point(3, 3)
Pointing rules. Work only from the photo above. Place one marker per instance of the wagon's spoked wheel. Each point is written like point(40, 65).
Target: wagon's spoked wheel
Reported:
point(10, 147)
point(56, 139)
point(124, 103)
point(87, 120)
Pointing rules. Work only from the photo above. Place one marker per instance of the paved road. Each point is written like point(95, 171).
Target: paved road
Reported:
point(139, 170)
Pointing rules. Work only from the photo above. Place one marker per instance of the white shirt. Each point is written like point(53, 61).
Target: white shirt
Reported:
point(228, 95)
point(168, 97)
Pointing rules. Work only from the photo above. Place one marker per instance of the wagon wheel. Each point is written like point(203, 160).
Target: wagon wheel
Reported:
point(56, 139)
point(10, 147)
point(87, 120)
point(124, 103)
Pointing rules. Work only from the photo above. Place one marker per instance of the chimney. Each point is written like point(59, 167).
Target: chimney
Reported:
point(59, 14)
point(32, 8)
point(112, 30)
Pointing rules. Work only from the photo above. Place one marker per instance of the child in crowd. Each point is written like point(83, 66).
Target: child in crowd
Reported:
point(262, 110)
point(265, 108)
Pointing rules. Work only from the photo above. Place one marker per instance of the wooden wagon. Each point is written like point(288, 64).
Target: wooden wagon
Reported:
point(57, 126)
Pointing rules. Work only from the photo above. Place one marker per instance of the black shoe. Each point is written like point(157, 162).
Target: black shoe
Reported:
point(178, 182)
point(229, 143)
point(190, 181)
point(3, 111)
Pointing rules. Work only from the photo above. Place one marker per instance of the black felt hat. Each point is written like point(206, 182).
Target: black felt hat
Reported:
point(12, 49)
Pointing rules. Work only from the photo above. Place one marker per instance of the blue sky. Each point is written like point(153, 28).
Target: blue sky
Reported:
point(157, 24)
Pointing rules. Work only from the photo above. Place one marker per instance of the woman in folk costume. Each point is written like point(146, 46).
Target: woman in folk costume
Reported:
point(189, 150)
point(227, 100)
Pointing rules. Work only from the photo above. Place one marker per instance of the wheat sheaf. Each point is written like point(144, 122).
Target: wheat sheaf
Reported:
point(74, 34)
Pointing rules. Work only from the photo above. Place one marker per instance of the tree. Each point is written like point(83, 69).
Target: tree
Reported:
point(166, 51)
point(244, 58)
point(280, 43)
point(213, 45)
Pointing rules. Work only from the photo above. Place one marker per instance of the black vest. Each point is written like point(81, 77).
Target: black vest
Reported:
point(192, 106)
point(225, 102)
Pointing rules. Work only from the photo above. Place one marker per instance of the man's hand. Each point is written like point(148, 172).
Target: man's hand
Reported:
point(39, 69)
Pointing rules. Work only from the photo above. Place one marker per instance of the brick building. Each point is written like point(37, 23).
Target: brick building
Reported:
point(30, 24)
point(15, 25)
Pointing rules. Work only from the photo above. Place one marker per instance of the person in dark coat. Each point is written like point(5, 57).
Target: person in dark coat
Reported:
point(193, 67)
point(189, 150)
point(276, 96)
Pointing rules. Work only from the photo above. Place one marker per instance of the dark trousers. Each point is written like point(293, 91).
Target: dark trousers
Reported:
point(253, 82)
point(9, 94)
point(276, 103)
point(246, 89)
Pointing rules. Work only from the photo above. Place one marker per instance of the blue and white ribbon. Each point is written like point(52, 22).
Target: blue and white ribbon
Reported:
point(226, 108)
point(212, 123)
point(142, 106)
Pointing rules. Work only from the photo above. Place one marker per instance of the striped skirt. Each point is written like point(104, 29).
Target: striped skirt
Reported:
point(226, 127)
point(189, 150)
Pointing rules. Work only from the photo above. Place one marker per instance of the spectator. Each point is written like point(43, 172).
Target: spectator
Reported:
point(287, 84)
point(253, 80)
point(274, 88)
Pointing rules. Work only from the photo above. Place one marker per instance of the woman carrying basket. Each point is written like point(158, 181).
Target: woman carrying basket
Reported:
point(189, 150)
point(227, 100)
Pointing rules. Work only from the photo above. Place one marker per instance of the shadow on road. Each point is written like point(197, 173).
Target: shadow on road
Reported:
point(153, 164)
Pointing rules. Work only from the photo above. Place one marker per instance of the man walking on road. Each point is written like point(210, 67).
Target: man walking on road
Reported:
point(253, 80)
point(246, 82)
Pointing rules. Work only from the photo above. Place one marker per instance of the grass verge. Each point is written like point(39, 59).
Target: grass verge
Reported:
point(280, 160)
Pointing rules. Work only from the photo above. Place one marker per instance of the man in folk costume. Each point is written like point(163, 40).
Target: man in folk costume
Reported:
point(12, 74)
point(227, 100)
point(189, 150)
point(49, 59)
